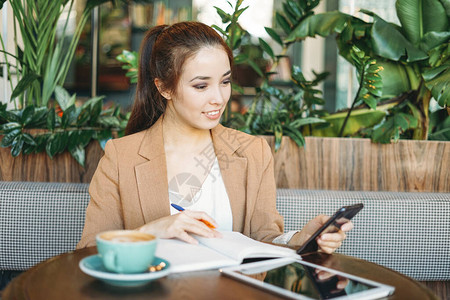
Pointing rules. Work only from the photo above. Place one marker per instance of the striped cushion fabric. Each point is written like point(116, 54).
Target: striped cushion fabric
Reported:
point(407, 232)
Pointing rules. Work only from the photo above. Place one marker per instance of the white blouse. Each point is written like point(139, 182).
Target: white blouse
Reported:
point(212, 198)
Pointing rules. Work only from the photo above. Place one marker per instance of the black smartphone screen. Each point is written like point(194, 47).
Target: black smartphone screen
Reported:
point(343, 215)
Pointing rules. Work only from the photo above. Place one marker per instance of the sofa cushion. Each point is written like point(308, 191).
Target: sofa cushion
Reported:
point(39, 220)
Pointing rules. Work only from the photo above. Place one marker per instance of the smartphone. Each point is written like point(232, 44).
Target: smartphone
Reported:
point(342, 215)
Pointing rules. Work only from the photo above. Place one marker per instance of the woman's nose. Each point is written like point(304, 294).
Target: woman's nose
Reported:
point(220, 95)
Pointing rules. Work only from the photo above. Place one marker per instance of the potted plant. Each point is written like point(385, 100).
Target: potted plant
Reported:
point(388, 106)
point(415, 60)
point(44, 116)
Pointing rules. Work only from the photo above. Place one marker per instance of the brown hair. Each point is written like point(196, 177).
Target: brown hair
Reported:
point(163, 52)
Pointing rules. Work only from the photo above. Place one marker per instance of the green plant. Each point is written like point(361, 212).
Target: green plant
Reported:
point(44, 61)
point(276, 110)
point(414, 55)
point(37, 129)
point(130, 61)
point(40, 102)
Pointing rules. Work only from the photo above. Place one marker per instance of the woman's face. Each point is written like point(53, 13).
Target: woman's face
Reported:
point(203, 90)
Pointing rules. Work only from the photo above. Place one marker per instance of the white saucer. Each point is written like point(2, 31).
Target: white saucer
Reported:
point(93, 266)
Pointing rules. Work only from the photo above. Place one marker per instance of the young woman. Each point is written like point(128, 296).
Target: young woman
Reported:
point(175, 151)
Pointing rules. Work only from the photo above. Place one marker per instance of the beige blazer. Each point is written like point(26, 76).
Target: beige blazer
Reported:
point(130, 186)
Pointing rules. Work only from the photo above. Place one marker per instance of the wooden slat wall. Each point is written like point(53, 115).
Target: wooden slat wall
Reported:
point(358, 164)
point(325, 163)
point(40, 167)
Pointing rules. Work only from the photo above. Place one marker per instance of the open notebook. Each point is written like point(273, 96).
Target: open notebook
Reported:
point(214, 253)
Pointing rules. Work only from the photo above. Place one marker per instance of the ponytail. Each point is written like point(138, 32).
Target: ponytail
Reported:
point(148, 103)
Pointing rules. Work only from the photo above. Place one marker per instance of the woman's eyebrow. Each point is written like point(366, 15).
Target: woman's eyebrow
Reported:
point(200, 77)
point(207, 77)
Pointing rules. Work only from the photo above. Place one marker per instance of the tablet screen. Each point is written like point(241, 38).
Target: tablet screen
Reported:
point(308, 281)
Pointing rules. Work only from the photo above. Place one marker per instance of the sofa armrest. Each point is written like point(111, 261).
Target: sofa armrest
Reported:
point(407, 232)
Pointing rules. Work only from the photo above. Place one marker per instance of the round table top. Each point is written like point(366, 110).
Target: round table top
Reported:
point(61, 278)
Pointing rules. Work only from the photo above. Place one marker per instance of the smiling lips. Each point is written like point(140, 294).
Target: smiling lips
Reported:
point(213, 114)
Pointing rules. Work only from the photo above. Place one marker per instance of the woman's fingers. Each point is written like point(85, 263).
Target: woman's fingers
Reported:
point(199, 215)
point(181, 226)
point(186, 238)
point(202, 216)
point(329, 242)
point(186, 223)
point(347, 226)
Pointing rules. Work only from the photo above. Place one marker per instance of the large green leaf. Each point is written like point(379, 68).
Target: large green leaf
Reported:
point(78, 153)
point(439, 128)
point(433, 39)
point(63, 97)
point(8, 139)
point(24, 84)
point(306, 121)
point(225, 16)
point(274, 35)
point(393, 127)
point(27, 115)
point(284, 24)
point(421, 16)
point(263, 44)
point(51, 119)
point(11, 116)
point(39, 118)
point(395, 79)
point(438, 81)
point(7, 127)
point(17, 146)
point(446, 5)
point(320, 24)
point(70, 115)
point(359, 119)
point(96, 105)
point(294, 134)
point(389, 42)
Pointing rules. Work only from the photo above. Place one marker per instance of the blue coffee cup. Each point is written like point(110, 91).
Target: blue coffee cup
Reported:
point(126, 251)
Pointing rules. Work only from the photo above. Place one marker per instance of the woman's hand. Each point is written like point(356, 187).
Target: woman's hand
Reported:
point(327, 242)
point(180, 225)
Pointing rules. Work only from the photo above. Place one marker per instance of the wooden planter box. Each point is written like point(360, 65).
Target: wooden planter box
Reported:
point(324, 163)
point(358, 164)
point(40, 167)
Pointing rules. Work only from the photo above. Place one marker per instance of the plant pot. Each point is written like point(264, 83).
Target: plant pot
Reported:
point(353, 164)
point(40, 167)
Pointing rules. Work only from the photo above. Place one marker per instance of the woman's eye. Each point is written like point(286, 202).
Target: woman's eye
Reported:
point(200, 86)
point(226, 81)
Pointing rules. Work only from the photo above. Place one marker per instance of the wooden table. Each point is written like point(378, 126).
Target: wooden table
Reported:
point(61, 278)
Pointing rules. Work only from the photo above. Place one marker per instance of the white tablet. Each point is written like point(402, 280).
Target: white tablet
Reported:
point(297, 279)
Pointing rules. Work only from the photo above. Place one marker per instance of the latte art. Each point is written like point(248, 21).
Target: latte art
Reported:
point(126, 237)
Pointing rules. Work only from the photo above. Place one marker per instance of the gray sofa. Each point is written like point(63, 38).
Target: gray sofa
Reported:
point(407, 232)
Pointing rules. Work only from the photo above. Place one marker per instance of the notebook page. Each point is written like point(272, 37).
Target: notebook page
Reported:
point(184, 257)
point(238, 246)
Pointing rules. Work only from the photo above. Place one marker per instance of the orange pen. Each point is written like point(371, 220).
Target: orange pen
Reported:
point(179, 208)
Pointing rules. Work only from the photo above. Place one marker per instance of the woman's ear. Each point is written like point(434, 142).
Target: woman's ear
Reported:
point(161, 90)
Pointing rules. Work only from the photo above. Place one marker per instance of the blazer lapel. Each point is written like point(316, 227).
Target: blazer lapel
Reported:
point(151, 176)
point(234, 172)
